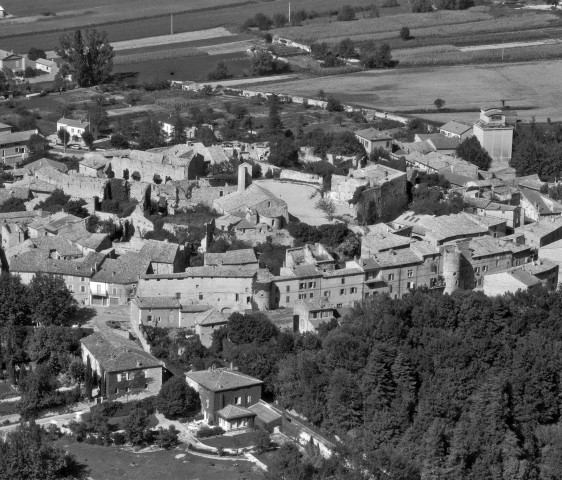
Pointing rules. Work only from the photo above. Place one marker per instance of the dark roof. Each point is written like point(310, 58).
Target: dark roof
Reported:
point(264, 412)
point(117, 354)
point(210, 317)
point(221, 379)
point(38, 262)
point(124, 270)
point(232, 412)
point(158, 302)
point(159, 252)
point(44, 162)
point(372, 134)
point(455, 127)
point(232, 257)
point(209, 271)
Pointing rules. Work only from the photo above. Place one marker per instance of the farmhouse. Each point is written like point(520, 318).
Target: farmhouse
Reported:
point(120, 365)
point(47, 66)
point(12, 61)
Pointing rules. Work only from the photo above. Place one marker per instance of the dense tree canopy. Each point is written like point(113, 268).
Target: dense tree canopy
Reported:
point(471, 151)
point(177, 399)
point(88, 55)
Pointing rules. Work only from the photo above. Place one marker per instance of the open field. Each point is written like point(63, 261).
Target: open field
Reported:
point(108, 463)
point(531, 84)
point(128, 19)
point(192, 68)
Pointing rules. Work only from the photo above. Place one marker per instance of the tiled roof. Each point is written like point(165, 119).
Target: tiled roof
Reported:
point(124, 270)
point(194, 307)
point(38, 261)
point(537, 200)
point(439, 141)
point(341, 272)
point(210, 317)
point(94, 160)
point(539, 266)
point(524, 277)
point(380, 237)
point(232, 412)
point(208, 271)
point(539, 229)
point(221, 379)
point(71, 122)
point(271, 212)
point(117, 354)
point(157, 302)
point(486, 245)
point(16, 216)
point(61, 245)
point(216, 154)
point(394, 258)
point(455, 127)
point(316, 303)
point(160, 252)
point(264, 412)
point(244, 224)
point(454, 225)
point(372, 134)
point(423, 248)
point(14, 137)
point(44, 162)
point(232, 257)
point(55, 221)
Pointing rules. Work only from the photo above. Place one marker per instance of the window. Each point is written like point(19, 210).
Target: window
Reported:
point(82, 288)
point(146, 386)
point(311, 295)
point(390, 289)
point(327, 293)
point(200, 296)
point(410, 273)
point(302, 296)
point(485, 268)
point(343, 281)
point(248, 399)
point(339, 305)
point(71, 287)
point(237, 400)
point(311, 284)
point(114, 291)
point(82, 279)
point(477, 270)
point(288, 288)
point(237, 297)
point(149, 318)
point(353, 290)
point(287, 299)
point(248, 299)
point(119, 377)
point(390, 276)
point(302, 285)
point(342, 291)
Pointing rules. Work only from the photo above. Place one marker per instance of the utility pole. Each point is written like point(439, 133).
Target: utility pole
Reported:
point(289, 12)
point(171, 23)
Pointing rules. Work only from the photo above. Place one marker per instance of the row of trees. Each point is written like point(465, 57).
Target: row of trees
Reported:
point(370, 54)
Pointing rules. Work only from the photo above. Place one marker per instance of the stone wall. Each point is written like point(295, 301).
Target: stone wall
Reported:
point(207, 195)
point(300, 177)
point(74, 184)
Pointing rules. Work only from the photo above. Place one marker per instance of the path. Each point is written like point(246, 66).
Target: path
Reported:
point(498, 46)
point(251, 81)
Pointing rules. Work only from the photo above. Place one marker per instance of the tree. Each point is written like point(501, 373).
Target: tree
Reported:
point(150, 134)
point(279, 20)
point(25, 455)
point(346, 13)
point(283, 153)
point(250, 328)
point(38, 147)
point(76, 208)
point(327, 207)
point(274, 127)
point(471, 151)
point(179, 135)
point(334, 105)
point(439, 103)
point(346, 48)
point(89, 56)
point(167, 437)
point(263, 64)
point(88, 139)
point(119, 141)
point(53, 303)
point(177, 399)
point(63, 136)
point(36, 53)
point(36, 392)
point(29, 72)
point(97, 116)
point(376, 57)
point(220, 72)
point(13, 204)
point(263, 22)
point(405, 33)
point(261, 440)
point(136, 427)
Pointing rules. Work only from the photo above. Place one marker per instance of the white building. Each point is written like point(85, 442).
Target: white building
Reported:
point(76, 128)
point(494, 134)
point(454, 129)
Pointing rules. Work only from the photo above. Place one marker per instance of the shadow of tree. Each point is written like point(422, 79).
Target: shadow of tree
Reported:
point(84, 315)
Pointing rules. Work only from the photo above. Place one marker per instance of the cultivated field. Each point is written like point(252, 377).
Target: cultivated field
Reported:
point(128, 19)
point(535, 85)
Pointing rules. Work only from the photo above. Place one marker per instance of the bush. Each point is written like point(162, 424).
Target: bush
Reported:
point(346, 13)
point(167, 438)
point(334, 105)
point(118, 438)
point(405, 33)
point(206, 432)
point(177, 399)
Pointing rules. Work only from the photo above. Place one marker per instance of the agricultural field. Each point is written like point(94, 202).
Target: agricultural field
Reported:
point(534, 86)
point(128, 19)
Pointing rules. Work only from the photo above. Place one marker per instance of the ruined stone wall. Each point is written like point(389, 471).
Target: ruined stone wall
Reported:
point(207, 195)
point(300, 177)
point(146, 169)
point(74, 184)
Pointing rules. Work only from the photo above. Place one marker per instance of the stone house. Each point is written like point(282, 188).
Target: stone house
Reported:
point(163, 312)
point(121, 366)
point(484, 207)
point(92, 165)
point(53, 224)
point(220, 389)
point(310, 314)
point(527, 277)
point(12, 61)
point(245, 256)
point(541, 233)
point(13, 146)
point(116, 281)
point(206, 323)
point(165, 257)
point(537, 206)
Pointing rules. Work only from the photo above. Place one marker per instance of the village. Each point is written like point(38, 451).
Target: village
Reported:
point(181, 261)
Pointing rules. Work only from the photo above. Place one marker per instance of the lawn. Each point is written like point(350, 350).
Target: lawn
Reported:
point(108, 463)
point(531, 84)
point(242, 440)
